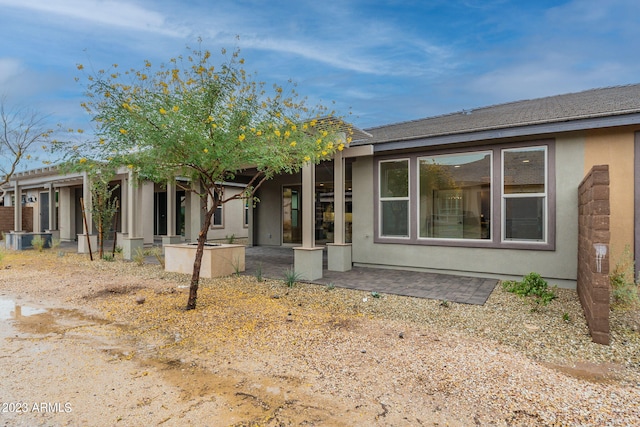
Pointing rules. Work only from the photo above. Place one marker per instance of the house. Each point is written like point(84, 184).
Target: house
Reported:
point(491, 191)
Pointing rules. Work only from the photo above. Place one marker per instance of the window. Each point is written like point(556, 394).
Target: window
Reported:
point(394, 198)
point(216, 221)
point(245, 222)
point(500, 196)
point(524, 193)
point(455, 196)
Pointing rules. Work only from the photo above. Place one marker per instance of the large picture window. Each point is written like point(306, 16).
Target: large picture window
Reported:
point(524, 193)
point(455, 196)
point(500, 196)
point(394, 198)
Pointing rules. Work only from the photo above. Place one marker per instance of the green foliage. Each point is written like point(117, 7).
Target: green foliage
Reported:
point(566, 317)
point(38, 243)
point(104, 204)
point(138, 256)
point(2, 236)
point(231, 239)
point(108, 257)
point(157, 253)
point(55, 243)
point(118, 249)
point(330, 287)
point(624, 288)
point(376, 295)
point(259, 277)
point(2, 254)
point(291, 277)
point(531, 285)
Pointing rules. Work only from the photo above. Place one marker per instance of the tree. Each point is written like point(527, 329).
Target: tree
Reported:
point(192, 119)
point(103, 205)
point(20, 130)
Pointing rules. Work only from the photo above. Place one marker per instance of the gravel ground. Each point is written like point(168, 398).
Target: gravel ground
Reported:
point(262, 353)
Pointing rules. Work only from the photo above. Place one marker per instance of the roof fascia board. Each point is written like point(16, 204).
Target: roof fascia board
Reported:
point(531, 130)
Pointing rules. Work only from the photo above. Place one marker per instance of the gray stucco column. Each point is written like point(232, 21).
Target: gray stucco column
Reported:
point(171, 237)
point(338, 252)
point(307, 259)
point(134, 240)
point(53, 217)
point(17, 209)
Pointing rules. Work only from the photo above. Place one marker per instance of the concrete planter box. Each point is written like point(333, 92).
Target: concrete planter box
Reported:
point(218, 260)
point(19, 241)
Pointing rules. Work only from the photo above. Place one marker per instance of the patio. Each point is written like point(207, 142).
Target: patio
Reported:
point(275, 261)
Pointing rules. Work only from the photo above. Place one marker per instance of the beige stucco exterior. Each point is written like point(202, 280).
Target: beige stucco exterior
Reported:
point(616, 149)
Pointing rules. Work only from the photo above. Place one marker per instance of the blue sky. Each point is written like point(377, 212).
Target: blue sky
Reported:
point(387, 61)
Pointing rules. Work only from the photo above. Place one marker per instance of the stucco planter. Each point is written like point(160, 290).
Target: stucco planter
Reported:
point(217, 259)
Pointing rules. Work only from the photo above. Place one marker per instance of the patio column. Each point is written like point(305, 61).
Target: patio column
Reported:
point(87, 228)
point(17, 210)
point(171, 237)
point(134, 241)
point(124, 211)
point(307, 259)
point(338, 252)
point(66, 214)
point(53, 217)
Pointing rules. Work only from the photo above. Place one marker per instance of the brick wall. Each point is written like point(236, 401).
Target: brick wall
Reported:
point(6, 219)
point(593, 229)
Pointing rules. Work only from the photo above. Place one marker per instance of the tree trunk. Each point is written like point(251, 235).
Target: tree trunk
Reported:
point(195, 277)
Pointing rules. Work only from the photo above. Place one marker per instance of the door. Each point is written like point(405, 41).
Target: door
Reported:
point(292, 214)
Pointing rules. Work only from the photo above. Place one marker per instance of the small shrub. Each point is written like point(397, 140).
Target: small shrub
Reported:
point(38, 243)
point(157, 252)
point(231, 239)
point(444, 303)
point(376, 295)
point(259, 277)
point(330, 287)
point(532, 285)
point(55, 243)
point(236, 267)
point(118, 249)
point(291, 277)
point(566, 317)
point(2, 236)
point(138, 256)
point(624, 289)
point(108, 257)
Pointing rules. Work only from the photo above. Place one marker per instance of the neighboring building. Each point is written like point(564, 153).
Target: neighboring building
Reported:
point(147, 211)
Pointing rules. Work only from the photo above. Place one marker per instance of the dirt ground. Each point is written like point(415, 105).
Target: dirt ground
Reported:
point(108, 344)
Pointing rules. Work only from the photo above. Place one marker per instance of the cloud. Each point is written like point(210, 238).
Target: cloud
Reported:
point(107, 13)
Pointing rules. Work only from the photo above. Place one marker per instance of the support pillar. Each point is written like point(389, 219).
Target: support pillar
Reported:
point(17, 209)
point(134, 240)
point(338, 252)
point(307, 260)
point(53, 213)
point(171, 237)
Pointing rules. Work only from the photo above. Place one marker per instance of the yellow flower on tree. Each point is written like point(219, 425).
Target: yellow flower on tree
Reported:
point(293, 143)
point(206, 150)
point(163, 111)
point(175, 108)
point(241, 137)
point(307, 158)
point(123, 131)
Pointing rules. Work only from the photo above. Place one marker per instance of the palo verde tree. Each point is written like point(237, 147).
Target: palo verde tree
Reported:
point(207, 123)
point(103, 204)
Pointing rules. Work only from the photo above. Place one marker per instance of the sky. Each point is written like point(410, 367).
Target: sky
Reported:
point(383, 61)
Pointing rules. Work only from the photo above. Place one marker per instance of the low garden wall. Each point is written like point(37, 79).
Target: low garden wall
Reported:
point(7, 218)
point(593, 251)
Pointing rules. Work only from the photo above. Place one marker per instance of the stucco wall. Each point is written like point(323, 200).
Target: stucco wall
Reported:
point(232, 218)
point(615, 149)
point(559, 266)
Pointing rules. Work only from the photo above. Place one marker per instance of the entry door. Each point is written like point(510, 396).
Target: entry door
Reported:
point(44, 212)
point(292, 214)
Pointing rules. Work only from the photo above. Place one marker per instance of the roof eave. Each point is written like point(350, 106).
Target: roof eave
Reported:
point(509, 132)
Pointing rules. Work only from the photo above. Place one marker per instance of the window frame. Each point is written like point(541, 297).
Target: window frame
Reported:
point(381, 199)
point(419, 158)
point(504, 196)
point(496, 241)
